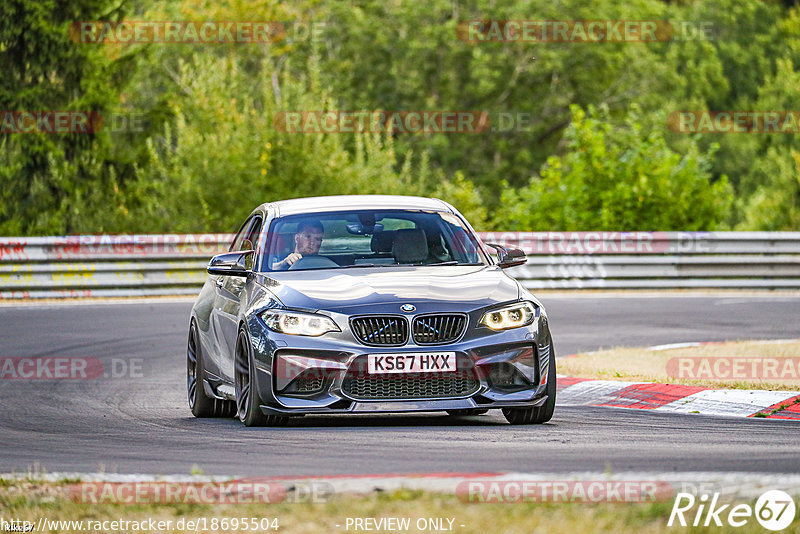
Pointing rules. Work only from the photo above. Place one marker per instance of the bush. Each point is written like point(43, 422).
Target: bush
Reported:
point(618, 177)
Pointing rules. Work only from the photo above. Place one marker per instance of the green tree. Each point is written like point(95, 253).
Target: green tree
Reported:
point(224, 153)
point(776, 206)
point(48, 180)
point(767, 189)
point(210, 137)
point(408, 55)
point(466, 197)
point(617, 178)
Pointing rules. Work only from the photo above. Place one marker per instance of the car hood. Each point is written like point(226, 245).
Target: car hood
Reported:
point(439, 287)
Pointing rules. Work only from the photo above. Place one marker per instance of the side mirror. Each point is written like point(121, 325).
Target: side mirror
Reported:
point(232, 263)
point(508, 256)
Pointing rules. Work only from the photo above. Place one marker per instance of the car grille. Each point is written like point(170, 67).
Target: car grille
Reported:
point(309, 381)
point(411, 386)
point(309, 384)
point(380, 330)
point(441, 328)
point(361, 385)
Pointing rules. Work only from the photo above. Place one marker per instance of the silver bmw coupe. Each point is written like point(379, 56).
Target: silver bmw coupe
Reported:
point(366, 304)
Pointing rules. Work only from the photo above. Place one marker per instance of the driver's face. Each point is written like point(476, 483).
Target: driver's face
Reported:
point(308, 241)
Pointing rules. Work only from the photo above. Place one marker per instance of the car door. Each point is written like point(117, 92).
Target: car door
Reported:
point(226, 306)
point(215, 343)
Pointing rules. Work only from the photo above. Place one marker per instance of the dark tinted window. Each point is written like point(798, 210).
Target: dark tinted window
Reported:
point(378, 238)
point(237, 240)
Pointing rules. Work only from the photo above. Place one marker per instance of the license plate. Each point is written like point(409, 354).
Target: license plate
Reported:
point(415, 362)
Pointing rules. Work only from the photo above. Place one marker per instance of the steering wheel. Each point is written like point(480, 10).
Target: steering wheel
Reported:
point(313, 262)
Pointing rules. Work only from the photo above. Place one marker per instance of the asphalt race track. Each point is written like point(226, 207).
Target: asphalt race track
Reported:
point(139, 422)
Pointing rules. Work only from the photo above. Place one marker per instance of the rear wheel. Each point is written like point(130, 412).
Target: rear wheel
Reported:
point(247, 399)
point(201, 404)
point(540, 414)
point(468, 411)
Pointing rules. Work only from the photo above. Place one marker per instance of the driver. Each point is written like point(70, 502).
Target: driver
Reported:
point(307, 241)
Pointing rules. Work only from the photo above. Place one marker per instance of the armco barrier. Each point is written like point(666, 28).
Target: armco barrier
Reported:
point(151, 265)
point(106, 265)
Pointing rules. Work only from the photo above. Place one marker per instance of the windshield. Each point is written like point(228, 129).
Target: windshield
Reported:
point(368, 238)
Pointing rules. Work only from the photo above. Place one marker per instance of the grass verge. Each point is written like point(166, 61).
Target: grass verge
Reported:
point(30, 501)
point(735, 365)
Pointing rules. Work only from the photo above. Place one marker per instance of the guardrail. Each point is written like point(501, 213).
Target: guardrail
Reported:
point(152, 265)
point(106, 265)
point(656, 260)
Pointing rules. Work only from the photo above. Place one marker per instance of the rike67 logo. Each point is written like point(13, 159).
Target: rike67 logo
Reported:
point(774, 510)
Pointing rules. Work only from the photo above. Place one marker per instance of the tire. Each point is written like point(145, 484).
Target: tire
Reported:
point(469, 411)
point(541, 414)
point(201, 404)
point(247, 400)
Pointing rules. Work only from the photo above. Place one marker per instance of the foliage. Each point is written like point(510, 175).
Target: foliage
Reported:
point(617, 178)
point(776, 206)
point(49, 181)
point(465, 196)
point(223, 155)
point(210, 151)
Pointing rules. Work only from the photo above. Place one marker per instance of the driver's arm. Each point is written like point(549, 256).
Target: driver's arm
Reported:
point(286, 262)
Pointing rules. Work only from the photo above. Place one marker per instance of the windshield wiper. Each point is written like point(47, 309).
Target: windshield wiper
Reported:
point(358, 265)
point(452, 262)
point(362, 265)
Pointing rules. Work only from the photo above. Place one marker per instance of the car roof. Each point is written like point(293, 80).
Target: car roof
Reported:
point(345, 202)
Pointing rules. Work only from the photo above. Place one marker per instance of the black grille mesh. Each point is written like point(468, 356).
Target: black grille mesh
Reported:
point(380, 330)
point(411, 386)
point(440, 328)
point(307, 384)
point(359, 384)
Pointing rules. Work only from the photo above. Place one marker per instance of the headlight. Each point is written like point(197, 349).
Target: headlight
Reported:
point(513, 316)
point(298, 324)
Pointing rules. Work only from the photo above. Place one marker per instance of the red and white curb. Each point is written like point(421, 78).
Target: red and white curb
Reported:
point(678, 398)
point(690, 344)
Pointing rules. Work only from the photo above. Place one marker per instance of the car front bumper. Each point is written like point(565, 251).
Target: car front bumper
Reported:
point(298, 375)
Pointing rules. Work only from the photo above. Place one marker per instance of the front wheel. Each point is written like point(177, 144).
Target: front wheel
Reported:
point(247, 398)
point(201, 404)
point(540, 414)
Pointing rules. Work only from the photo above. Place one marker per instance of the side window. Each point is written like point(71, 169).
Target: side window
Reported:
point(237, 241)
point(251, 241)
